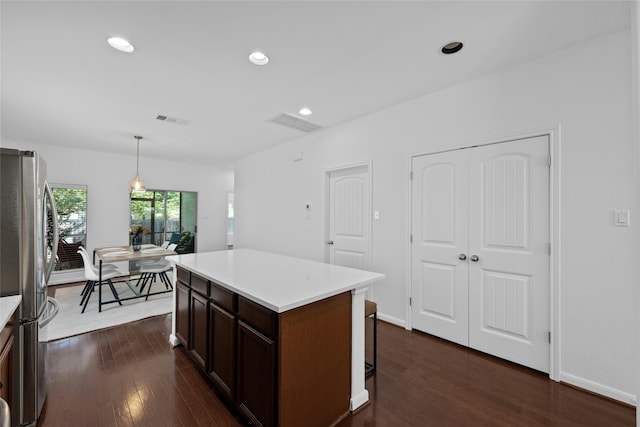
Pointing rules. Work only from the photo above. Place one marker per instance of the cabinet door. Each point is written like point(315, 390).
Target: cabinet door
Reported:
point(6, 364)
point(182, 313)
point(256, 375)
point(198, 333)
point(222, 353)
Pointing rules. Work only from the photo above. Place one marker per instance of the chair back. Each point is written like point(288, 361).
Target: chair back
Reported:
point(89, 270)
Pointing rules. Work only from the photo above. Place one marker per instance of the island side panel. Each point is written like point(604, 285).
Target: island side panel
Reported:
point(315, 363)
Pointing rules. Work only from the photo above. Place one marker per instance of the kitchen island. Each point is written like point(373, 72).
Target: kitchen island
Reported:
point(281, 337)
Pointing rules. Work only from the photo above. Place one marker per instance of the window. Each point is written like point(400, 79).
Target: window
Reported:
point(163, 213)
point(71, 205)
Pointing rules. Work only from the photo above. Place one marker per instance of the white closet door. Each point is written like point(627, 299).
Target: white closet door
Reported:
point(480, 252)
point(439, 232)
point(509, 233)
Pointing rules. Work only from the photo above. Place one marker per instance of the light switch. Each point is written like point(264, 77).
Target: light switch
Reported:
point(376, 214)
point(307, 206)
point(621, 218)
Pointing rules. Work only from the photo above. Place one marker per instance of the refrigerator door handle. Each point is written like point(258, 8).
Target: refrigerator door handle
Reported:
point(54, 218)
point(56, 307)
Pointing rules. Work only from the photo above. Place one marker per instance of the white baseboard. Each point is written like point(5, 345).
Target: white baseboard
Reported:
point(359, 400)
point(392, 320)
point(60, 277)
point(598, 388)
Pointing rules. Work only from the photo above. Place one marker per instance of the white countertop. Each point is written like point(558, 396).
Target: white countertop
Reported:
point(277, 282)
point(8, 306)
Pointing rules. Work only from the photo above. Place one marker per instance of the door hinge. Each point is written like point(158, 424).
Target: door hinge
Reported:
point(549, 160)
point(549, 336)
point(549, 248)
point(410, 238)
point(410, 175)
point(410, 302)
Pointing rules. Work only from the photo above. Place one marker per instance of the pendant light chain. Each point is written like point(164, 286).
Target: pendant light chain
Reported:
point(136, 183)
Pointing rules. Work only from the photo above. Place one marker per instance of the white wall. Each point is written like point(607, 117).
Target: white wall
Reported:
point(107, 178)
point(585, 93)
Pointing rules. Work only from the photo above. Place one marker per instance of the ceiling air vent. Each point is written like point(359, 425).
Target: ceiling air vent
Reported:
point(295, 122)
point(174, 120)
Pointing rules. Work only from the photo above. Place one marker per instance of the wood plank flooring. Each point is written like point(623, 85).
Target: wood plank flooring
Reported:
point(130, 376)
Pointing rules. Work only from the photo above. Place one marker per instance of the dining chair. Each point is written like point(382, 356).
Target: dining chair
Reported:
point(105, 267)
point(149, 272)
point(92, 274)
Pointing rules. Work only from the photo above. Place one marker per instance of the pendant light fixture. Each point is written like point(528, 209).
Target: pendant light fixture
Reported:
point(136, 183)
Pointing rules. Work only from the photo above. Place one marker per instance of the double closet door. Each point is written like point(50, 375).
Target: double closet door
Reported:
point(480, 248)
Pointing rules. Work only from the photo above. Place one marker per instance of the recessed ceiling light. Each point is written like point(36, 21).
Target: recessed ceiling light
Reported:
point(120, 44)
point(452, 47)
point(305, 111)
point(259, 58)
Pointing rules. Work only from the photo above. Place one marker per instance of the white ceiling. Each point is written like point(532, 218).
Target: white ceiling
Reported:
point(63, 85)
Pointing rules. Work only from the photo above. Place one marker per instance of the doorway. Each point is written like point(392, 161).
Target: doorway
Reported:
point(480, 252)
point(164, 213)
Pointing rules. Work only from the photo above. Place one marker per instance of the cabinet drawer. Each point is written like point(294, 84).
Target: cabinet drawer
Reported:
point(223, 298)
point(261, 318)
point(200, 285)
point(183, 275)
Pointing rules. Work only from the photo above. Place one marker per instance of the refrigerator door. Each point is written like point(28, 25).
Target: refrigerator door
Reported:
point(51, 232)
point(34, 384)
point(48, 315)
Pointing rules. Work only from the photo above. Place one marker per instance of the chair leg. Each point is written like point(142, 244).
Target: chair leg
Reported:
point(113, 291)
point(87, 296)
point(165, 280)
point(149, 289)
point(370, 368)
point(148, 279)
point(141, 282)
point(84, 289)
point(85, 292)
point(375, 341)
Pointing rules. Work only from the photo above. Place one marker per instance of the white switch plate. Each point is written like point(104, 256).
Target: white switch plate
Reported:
point(307, 206)
point(376, 214)
point(621, 218)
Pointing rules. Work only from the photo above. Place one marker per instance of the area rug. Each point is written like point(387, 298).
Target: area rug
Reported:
point(70, 321)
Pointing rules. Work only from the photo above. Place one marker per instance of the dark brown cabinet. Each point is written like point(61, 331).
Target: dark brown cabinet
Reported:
point(182, 312)
point(256, 370)
point(222, 345)
point(198, 322)
point(6, 363)
point(285, 369)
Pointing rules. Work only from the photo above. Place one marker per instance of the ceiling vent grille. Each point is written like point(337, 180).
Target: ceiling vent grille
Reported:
point(295, 122)
point(173, 120)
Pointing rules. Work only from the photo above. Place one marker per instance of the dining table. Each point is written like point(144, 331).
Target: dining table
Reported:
point(126, 253)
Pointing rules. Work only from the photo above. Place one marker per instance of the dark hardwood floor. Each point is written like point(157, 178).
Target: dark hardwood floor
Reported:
point(130, 375)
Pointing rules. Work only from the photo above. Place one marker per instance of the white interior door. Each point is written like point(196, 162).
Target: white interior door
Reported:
point(509, 234)
point(439, 232)
point(496, 216)
point(349, 237)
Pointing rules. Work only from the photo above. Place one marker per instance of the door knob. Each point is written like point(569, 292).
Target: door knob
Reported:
point(474, 258)
point(462, 257)
point(330, 242)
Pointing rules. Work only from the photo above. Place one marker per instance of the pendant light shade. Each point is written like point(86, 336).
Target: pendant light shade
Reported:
point(136, 183)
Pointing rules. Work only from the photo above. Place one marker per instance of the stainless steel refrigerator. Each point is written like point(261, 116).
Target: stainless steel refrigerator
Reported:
point(28, 236)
